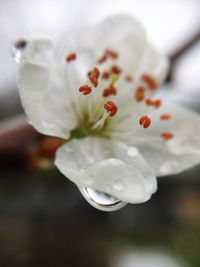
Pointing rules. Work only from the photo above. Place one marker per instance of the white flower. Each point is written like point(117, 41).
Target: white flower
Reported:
point(119, 136)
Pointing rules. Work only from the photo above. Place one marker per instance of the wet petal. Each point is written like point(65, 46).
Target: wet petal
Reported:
point(180, 152)
point(42, 92)
point(107, 166)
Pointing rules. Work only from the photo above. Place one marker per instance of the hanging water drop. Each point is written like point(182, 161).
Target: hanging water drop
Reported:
point(18, 48)
point(100, 200)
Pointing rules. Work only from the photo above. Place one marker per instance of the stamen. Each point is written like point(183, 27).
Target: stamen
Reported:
point(111, 107)
point(167, 135)
point(145, 121)
point(85, 89)
point(140, 93)
point(93, 81)
point(70, 57)
point(109, 91)
point(150, 81)
point(102, 59)
point(93, 76)
point(105, 75)
point(95, 72)
point(128, 78)
point(165, 116)
point(113, 54)
point(116, 69)
point(155, 103)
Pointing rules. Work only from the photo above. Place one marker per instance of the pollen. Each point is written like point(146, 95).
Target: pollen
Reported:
point(94, 81)
point(111, 107)
point(102, 59)
point(93, 76)
point(167, 135)
point(145, 121)
point(140, 93)
point(105, 75)
point(150, 81)
point(70, 57)
point(113, 54)
point(165, 116)
point(154, 103)
point(128, 78)
point(116, 69)
point(109, 91)
point(85, 89)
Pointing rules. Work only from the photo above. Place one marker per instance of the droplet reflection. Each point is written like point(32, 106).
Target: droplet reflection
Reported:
point(17, 49)
point(100, 200)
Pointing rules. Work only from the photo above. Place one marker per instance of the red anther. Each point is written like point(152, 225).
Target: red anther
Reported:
point(113, 54)
point(154, 103)
point(95, 73)
point(128, 78)
point(150, 81)
point(116, 69)
point(93, 80)
point(70, 57)
point(85, 89)
point(167, 135)
point(165, 116)
point(105, 75)
point(102, 59)
point(149, 102)
point(157, 103)
point(111, 107)
point(109, 91)
point(140, 93)
point(145, 121)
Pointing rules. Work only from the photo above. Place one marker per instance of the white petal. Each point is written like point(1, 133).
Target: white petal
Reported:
point(177, 154)
point(43, 95)
point(121, 33)
point(154, 63)
point(107, 166)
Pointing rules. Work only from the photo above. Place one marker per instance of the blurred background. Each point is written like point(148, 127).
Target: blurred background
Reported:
point(44, 221)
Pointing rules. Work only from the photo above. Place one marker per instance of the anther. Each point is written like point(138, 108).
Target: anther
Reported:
point(105, 75)
point(102, 59)
point(113, 54)
point(111, 107)
point(128, 78)
point(116, 69)
point(150, 81)
point(93, 81)
point(70, 57)
point(109, 91)
point(93, 76)
point(140, 93)
point(145, 121)
point(167, 135)
point(154, 103)
point(85, 89)
point(165, 116)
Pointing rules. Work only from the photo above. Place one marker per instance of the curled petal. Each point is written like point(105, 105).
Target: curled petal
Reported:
point(107, 166)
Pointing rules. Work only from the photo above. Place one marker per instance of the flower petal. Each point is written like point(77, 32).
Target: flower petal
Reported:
point(120, 32)
point(43, 95)
point(174, 155)
point(107, 166)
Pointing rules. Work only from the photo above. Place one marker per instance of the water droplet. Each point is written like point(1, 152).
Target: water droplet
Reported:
point(118, 184)
point(100, 200)
point(168, 167)
point(17, 50)
point(132, 151)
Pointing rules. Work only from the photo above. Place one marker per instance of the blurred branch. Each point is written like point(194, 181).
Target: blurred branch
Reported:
point(177, 54)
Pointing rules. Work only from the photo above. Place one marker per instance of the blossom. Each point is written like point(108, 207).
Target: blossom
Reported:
point(100, 96)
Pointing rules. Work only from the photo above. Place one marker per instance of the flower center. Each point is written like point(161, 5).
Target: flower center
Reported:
point(102, 93)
